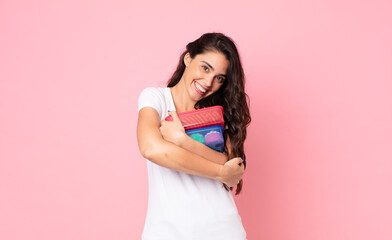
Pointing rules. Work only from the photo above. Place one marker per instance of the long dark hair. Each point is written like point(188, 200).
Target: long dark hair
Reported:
point(231, 95)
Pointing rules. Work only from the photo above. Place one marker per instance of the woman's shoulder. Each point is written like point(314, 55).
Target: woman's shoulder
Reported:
point(155, 97)
point(154, 90)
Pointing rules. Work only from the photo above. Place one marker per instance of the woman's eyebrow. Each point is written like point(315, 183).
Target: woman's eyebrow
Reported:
point(208, 65)
point(223, 75)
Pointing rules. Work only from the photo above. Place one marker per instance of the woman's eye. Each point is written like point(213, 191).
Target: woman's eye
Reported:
point(221, 79)
point(205, 68)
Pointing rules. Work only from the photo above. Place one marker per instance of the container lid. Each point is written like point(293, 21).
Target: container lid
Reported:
point(203, 117)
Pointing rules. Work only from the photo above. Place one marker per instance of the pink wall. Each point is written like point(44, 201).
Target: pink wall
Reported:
point(319, 147)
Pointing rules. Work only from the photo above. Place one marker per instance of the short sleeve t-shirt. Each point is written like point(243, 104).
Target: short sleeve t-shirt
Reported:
point(182, 206)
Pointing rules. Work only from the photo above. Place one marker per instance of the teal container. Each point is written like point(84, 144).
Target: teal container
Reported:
point(210, 136)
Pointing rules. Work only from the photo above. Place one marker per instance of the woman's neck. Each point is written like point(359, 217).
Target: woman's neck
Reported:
point(182, 101)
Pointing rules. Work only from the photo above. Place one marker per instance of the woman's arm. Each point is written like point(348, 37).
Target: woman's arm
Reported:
point(166, 154)
point(173, 131)
point(201, 149)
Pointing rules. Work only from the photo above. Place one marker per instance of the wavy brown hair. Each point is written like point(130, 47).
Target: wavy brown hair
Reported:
point(231, 95)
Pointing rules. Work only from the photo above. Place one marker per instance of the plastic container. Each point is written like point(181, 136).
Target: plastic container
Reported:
point(199, 118)
point(210, 136)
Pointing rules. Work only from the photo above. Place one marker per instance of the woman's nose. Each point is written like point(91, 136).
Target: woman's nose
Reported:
point(210, 80)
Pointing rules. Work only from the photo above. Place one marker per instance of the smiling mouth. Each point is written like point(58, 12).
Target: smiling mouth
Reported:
point(199, 88)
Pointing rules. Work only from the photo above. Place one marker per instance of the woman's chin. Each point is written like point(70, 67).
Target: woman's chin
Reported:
point(195, 96)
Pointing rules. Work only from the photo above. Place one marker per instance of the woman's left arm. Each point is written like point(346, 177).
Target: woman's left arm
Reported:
point(174, 132)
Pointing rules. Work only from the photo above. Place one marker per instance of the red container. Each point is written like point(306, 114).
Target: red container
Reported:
point(203, 117)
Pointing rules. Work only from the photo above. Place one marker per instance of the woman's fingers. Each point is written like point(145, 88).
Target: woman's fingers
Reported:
point(176, 120)
point(174, 116)
point(234, 172)
point(240, 161)
point(172, 131)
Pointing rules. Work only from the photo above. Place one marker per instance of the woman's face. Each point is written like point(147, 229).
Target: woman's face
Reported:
point(205, 73)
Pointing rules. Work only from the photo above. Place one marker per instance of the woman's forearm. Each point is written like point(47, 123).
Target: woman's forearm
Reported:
point(169, 155)
point(202, 150)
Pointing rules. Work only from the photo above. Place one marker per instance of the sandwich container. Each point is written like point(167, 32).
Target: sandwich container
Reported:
point(210, 136)
point(204, 125)
point(203, 117)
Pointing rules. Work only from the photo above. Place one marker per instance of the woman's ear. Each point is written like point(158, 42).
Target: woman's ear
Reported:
point(187, 59)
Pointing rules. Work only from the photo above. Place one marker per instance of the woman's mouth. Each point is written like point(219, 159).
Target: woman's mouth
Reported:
point(199, 89)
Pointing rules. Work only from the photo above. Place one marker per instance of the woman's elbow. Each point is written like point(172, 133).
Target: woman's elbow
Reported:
point(149, 150)
point(146, 151)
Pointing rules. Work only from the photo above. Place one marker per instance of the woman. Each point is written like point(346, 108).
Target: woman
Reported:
point(187, 199)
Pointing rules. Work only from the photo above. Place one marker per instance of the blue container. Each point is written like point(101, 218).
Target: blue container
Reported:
point(210, 136)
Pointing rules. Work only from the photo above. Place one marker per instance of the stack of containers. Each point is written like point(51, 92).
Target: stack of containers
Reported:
point(204, 125)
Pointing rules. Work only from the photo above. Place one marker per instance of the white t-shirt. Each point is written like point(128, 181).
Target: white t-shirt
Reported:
point(182, 206)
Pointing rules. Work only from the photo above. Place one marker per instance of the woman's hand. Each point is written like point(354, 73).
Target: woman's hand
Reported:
point(173, 131)
point(231, 173)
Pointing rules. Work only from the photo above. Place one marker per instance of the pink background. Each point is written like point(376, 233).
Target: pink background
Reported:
point(319, 147)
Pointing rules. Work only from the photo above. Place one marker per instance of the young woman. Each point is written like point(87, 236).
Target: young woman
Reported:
point(190, 183)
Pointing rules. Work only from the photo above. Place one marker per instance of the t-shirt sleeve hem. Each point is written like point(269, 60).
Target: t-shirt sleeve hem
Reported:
point(150, 97)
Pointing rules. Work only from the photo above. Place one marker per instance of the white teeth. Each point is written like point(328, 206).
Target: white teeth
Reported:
point(200, 88)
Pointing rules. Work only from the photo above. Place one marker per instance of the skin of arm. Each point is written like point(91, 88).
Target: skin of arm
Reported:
point(182, 140)
point(153, 147)
point(206, 152)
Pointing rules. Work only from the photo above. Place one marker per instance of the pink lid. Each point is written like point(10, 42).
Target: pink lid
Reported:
point(203, 117)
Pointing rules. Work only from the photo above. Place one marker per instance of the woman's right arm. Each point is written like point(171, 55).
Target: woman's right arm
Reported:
point(166, 154)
